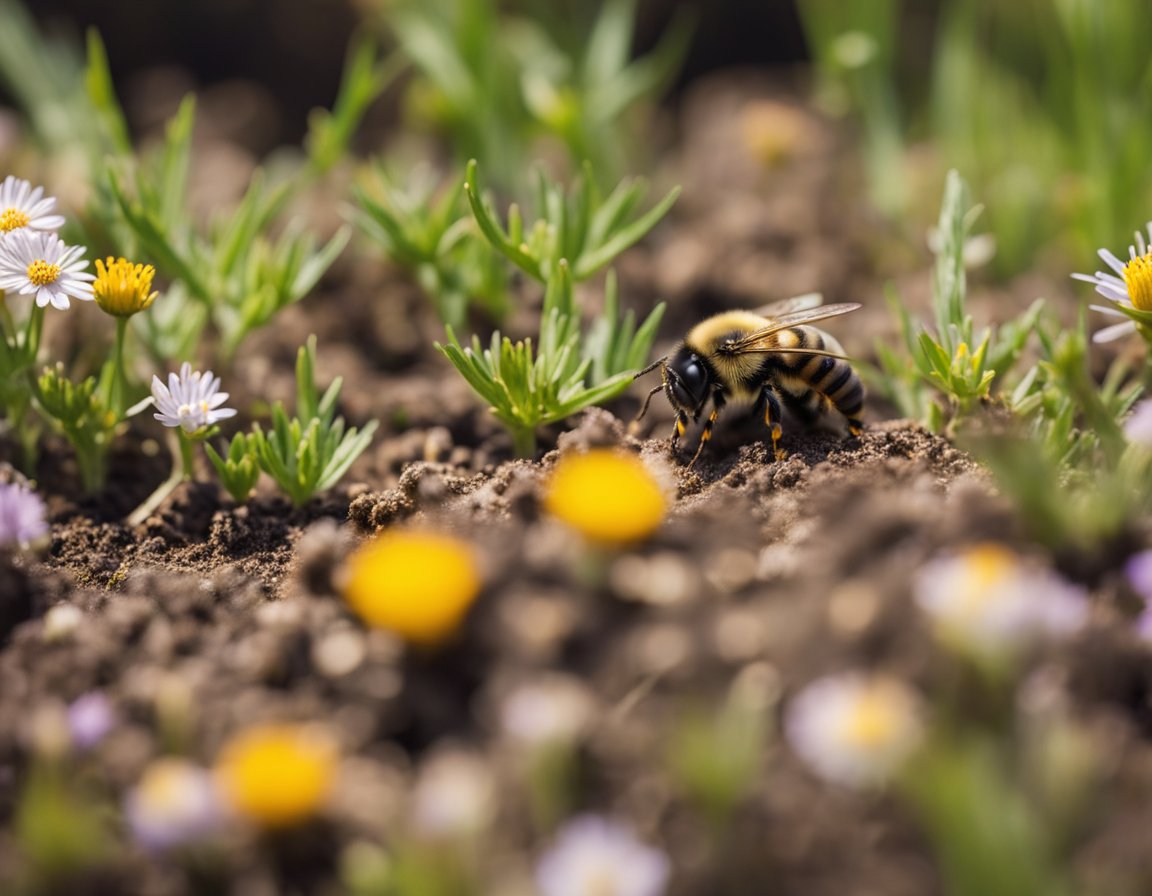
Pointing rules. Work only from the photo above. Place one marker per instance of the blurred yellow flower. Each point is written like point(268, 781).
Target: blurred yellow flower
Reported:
point(609, 496)
point(416, 584)
point(122, 288)
point(277, 775)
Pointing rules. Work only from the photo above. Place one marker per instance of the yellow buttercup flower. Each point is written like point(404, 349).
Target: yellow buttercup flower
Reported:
point(277, 775)
point(416, 584)
point(608, 496)
point(123, 288)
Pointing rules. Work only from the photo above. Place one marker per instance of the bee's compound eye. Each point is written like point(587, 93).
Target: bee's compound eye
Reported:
point(692, 373)
point(690, 383)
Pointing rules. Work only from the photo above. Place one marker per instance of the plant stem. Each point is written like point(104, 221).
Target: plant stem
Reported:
point(116, 382)
point(34, 332)
point(92, 459)
point(181, 472)
point(524, 442)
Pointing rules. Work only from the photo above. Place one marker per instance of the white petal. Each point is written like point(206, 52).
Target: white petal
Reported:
point(1114, 332)
point(1112, 261)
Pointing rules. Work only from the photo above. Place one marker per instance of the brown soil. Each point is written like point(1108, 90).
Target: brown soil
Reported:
point(766, 571)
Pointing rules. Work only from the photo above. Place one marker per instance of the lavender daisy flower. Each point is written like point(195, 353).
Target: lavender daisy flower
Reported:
point(853, 729)
point(23, 207)
point(90, 718)
point(21, 515)
point(191, 400)
point(174, 803)
point(597, 857)
point(41, 265)
point(1130, 286)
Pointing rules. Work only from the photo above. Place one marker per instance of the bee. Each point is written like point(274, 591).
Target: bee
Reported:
point(770, 359)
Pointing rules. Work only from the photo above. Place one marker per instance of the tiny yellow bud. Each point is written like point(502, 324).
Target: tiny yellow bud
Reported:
point(416, 584)
point(608, 496)
point(277, 775)
point(122, 288)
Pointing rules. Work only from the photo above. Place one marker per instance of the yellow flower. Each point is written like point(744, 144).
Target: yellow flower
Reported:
point(416, 584)
point(609, 496)
point(122, 288)
point(277, 775)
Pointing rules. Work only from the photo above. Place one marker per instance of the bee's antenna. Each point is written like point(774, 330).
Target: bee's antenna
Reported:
point(647, 401)
point(650, 368)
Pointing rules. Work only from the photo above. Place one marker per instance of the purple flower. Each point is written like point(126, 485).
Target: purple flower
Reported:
point(1138, 571)
point(597, 857)
point(175, 803)
point(21, 515)
point(90, 718)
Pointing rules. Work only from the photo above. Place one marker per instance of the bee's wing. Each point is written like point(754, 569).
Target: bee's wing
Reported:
point(754, 340)
point(779, 308)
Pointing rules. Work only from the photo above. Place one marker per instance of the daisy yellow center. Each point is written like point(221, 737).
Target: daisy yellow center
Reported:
point(122, 288)
point(41, 273)
point(989, 565)
point(13, 219)
point(1138, 279)
point(875, 719)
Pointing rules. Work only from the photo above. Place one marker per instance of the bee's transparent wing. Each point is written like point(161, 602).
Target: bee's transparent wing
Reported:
point(781, 307)
point(754, 341)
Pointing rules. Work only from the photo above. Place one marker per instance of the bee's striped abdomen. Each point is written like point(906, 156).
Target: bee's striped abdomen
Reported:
point(811, 378)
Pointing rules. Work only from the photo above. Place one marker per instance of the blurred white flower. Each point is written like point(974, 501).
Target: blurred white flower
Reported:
point(1138, 425)
point(593, 856)
point(552, 710)
point(41, 265)
point(174, 803)
point(21, 515)
point(1129, 287)
point(22, 207)
point(854, 729)
point(191, 400)
point(455, 795)
point(987, 601)
point(61, 621)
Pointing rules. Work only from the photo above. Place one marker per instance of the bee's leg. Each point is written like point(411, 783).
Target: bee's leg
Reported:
point(678, 429)
point(706, 433)
point(769, 405)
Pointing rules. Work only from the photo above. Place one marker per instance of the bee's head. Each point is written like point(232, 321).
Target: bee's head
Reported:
point(687, 380)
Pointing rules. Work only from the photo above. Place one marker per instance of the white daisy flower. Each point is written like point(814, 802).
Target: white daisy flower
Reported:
point(1129, 287)
point(175, 802)
point(853, 729)
point(191, 400)
point(597, 857)
point(22, 207)
point(1138, 426)
point(40, 264)
point(987, 601)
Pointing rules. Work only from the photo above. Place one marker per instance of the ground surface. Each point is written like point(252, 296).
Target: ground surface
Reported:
point(766, 571)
